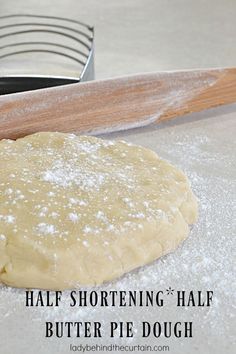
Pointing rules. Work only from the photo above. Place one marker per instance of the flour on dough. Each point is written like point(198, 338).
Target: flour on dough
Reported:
point(77, 210)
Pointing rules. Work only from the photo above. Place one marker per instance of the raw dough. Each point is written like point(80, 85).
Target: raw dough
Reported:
point(81, 210)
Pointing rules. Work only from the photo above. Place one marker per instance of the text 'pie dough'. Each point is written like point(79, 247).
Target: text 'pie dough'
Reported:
point(77, 210)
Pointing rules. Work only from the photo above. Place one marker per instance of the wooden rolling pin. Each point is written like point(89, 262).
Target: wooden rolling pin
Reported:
point(115, 104)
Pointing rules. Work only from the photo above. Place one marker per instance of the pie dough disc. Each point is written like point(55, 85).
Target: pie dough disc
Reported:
point(78, 210)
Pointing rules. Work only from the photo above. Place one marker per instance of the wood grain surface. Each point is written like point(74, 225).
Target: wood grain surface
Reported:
point(115, 104)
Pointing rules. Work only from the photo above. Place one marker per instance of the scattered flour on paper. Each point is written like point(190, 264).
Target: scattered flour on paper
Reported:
point(203, 262)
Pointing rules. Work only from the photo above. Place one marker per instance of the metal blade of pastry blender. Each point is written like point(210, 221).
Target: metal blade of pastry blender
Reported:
point(115, 104)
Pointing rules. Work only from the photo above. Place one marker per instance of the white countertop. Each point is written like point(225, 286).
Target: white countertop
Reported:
point(134, 36)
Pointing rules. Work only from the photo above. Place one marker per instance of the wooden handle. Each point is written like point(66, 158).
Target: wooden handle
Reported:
point(221, 90)
point(115, 104)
